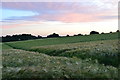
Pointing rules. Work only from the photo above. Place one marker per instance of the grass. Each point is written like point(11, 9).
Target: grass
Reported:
point(0, 46)
point(64, 40)
point(106, 52)
point(91, 56)
point(3, 46)
point(25, 64)
point(0, 60)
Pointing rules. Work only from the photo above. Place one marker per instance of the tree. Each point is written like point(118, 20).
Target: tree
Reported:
point(78, 35)
point(53, 35)
point(110, 31)
point(117, 31)
point(19, 37)
point(102, 33)
point(94, 32)
point(67, 35)
point(39, 36)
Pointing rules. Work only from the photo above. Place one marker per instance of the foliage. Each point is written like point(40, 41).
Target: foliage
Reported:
point(20, 37)
point(94, 32)
point(106, 52)
point(64, 40)
point(53, 35)
point(90, 56)
point(25, 64)
point(4, 46)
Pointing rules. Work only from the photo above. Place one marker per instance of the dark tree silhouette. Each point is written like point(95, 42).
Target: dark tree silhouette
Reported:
point(67, 35)
point(0, 39)
point(39, 37)
point(78, 35)
point(102, 33)
point(19, 37)
point(94, 32)
point(117, 31)
point(22, 37)
point(53, 35)
point(110, 31)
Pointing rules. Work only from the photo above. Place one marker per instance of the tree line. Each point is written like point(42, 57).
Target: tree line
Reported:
point(22, 37)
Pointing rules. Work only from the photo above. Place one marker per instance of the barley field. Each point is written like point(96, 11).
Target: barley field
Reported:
point(90, 56)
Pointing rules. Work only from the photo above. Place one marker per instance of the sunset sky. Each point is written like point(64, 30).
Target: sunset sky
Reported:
point(43, 18)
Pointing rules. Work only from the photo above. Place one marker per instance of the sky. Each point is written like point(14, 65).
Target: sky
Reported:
point(44, 18)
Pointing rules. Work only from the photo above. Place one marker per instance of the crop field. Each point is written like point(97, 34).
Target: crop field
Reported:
point(90, 56)
point(62, 40)
point(4, 46)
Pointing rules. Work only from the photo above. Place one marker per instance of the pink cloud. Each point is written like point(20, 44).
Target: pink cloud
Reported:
point(19, 24)
point(75, 17)
point(62, 11)
point(88, 7)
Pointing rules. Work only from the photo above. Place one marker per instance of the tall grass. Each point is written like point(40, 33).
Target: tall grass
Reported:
point(25, 64)
point(64, 40)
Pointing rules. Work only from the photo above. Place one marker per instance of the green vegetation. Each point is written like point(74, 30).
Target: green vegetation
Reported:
point(0, 46)
point(4, 46)
point(25, 64)
point(90, 56)
point(106, 52)
point(63, 40)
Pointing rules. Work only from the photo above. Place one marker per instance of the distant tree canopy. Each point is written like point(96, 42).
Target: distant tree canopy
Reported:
point(117, 31)
point(94, 32)
point(22, 37)
point(102, 33)
point(67, 35)
point(53, 35)
point(19, 37)
point(78, 35)
point(110, 31)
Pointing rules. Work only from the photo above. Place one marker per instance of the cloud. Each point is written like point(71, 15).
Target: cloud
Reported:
point(62, 17)
point(8, 14)
point(18, 24)
point(75, 17)
point(41, 7)
point(108, 17)
point(83, 11)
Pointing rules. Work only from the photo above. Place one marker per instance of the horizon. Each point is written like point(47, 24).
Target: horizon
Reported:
point(44, 18)
point(60, 34)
